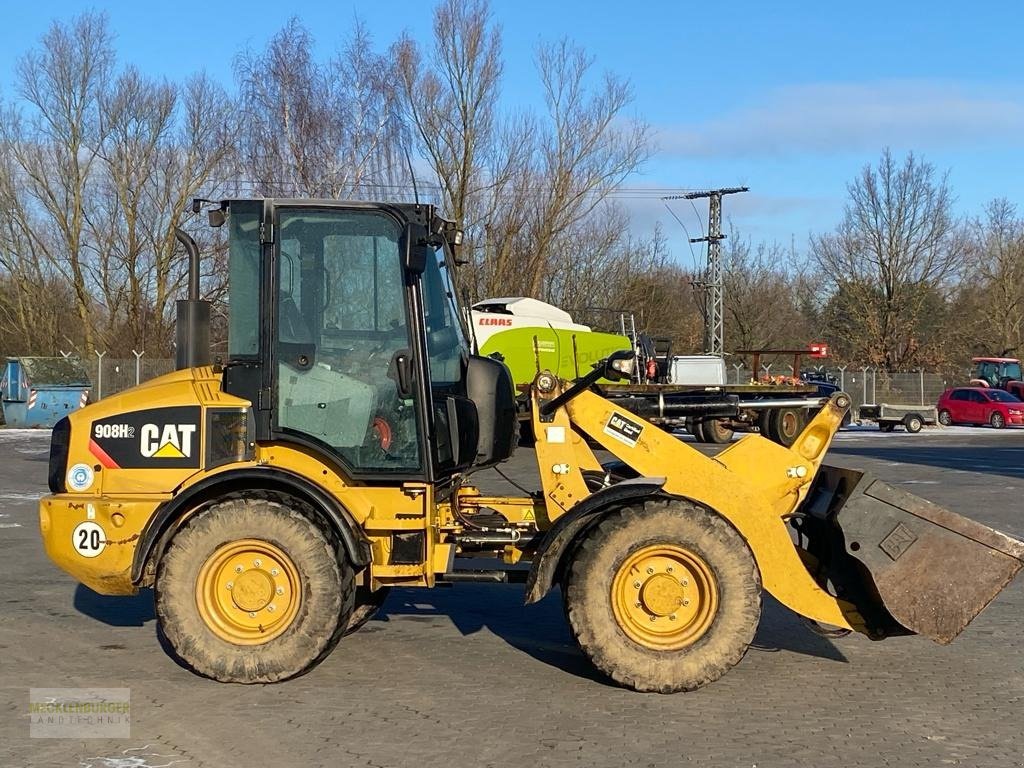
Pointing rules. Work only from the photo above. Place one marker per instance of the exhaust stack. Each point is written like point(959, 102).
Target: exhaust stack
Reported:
point(193, 318)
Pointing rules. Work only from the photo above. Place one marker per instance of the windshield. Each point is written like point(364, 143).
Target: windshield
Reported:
point(1001, 397)
point(1011, 371)
point(341, 327)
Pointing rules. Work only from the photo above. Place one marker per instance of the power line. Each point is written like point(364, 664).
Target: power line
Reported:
point(689, 242)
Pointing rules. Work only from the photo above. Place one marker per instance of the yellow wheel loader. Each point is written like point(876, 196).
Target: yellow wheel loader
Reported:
point(272, 500)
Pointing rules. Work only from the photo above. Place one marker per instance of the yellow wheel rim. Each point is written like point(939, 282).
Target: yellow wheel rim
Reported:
point(664, 597)
point(248, 592)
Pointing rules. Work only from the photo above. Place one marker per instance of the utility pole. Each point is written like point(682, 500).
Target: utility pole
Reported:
point(714, 332)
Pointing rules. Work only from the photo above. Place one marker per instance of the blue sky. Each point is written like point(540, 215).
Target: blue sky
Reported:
point(788, 98)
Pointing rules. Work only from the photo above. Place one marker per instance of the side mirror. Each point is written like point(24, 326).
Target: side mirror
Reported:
point(620, 365)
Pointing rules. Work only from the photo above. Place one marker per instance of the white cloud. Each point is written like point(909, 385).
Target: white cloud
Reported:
point(835, 117)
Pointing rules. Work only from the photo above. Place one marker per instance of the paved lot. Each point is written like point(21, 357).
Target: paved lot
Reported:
point(467, 676)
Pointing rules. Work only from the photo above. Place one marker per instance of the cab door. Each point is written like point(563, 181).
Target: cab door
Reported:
point(343, 339)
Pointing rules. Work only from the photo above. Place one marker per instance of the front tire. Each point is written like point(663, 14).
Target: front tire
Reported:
point(913, 424)
point(251, 590)
point(663, 597)
point(945, 418)
point(367, 604)
point(997, 420)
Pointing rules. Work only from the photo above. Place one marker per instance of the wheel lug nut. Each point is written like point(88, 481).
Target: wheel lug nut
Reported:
point(672, 617)
point(638, 605)
point(685, 582)
point(280, 590)
point(636, 585)
point(650, 570)
point(270, 608)
point(686, 602)
point(257, 563)
point(274, 571)
point(654, 618)
point(670, 569)
point(230, 585)
point(252, 614)
point(238, 569)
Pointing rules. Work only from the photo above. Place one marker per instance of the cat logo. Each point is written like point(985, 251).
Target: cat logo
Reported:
point(154, 438)
point(172, 441)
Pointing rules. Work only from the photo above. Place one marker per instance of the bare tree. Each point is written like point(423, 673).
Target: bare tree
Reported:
point(36, 305)
point(452, 99)
point(316, 129)
point(55, 147)
point(527, 191)
point(585, 155)
point(996, 266)
point(139, 116)
point(761, 301)
point(893, 252)
point(481, 159)
point(97, 169)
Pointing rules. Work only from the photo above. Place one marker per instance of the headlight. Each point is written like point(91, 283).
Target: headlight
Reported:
point(228, 433)
point(625, 367)
point(1015, 411)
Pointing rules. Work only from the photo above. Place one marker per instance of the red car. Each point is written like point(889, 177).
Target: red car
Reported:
point(979, 405)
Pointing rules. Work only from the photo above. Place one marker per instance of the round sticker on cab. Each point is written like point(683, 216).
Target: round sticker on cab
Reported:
point(88, 539)
point(80, 477)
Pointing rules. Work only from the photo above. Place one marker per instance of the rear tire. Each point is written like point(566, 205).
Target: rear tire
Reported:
point(681, 628)
point(786, 424)
point(997, 420)
point(251, 590)
point(696, 428)
point(886, 426)
point(945, 418)
point(913, 423)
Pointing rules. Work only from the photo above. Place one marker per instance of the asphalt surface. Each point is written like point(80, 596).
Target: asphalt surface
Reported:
point(468, 676)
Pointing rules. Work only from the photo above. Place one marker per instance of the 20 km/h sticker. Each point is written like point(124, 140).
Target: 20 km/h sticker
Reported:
point(88, 539)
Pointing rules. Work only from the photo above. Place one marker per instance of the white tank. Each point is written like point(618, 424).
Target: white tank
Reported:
point(492, 316)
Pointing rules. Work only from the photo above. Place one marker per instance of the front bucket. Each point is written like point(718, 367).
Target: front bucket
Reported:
point(906, 563)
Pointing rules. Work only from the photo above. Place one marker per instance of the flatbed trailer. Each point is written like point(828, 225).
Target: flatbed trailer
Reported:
point(713, 413)
point(889, 416)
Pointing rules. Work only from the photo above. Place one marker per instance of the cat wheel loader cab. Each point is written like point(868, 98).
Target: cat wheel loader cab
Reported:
point(272, 501)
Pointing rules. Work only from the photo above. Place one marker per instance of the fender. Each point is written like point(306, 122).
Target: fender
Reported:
point(568, 527)
point(357, 548)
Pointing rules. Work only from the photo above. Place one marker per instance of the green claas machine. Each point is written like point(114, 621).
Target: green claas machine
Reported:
point(272, 501)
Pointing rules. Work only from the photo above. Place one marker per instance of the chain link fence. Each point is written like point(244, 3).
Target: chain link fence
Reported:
point(865, 385)
point(111, 375)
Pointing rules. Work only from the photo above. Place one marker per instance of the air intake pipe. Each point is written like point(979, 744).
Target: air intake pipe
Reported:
point(193, 322)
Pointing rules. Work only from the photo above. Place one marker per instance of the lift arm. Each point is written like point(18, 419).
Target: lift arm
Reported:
point(870, 557)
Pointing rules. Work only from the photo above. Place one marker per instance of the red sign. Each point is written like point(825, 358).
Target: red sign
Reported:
point(818, 349)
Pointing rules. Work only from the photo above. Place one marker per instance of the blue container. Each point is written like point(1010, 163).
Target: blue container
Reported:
point(40, 391)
